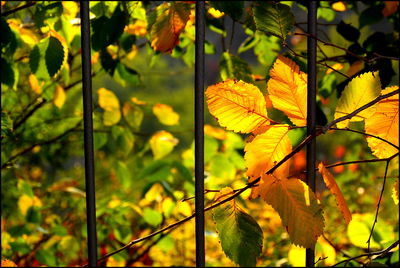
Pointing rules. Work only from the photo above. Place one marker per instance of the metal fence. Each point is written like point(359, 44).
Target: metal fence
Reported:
point(199, 126)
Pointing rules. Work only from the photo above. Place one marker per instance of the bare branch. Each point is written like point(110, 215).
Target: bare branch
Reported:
point(12, 11)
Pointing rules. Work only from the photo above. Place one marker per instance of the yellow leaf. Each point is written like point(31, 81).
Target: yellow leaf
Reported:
point(165, 114)
point(355, 67)
point(59, 97)
point(267, 149)
point(298, 208)
point(395, 192)
point(215, 13)
point(138, 28)
point(26, 35)
point(336, 66)
point(339, 6)
point(334, 188)
point(214, 132)
point(384, 123)
point(110, 103)
point(34, 83)
point(25, 202)
point(162, 143)
point(287, 89)
point(238, 106)
point(361, 90)
point(137, 101)
point(70, 9)
point(171, 21)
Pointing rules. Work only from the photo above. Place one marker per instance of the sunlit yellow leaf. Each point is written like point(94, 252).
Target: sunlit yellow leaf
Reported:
point(138, 28)
point(395, 192)
point(25, 202)
point(214, 132)
point(25, 34)
point(287, 89)
point(339, 6)
point(137, 101)
point(384, 123)
point(298, 208)
point(110, 103)
point(70, 9)
point(336, 66)
point(360, 90)
point(334, 188)
point(59, 97)
point(162, 143)
point(165, 114)
point(171, 21)
point(215, 13)
point(238, 106)
point(34, 83)
point(267, 149)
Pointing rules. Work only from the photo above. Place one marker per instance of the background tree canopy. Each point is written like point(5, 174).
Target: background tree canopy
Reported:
point(143, 75)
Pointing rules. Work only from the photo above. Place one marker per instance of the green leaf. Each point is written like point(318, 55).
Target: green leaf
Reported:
point(241, 236)
point(348, 32)
point(370, 15)
point(54, 56)
point(7, 74)
point(6, 33)
point(107, 30)
point(222, 167)
point(123, 138)
point(107, 62)
point(267, 48)
point(273, 18)
point(232, 8)
point(152, 216)
point(123, 174)
point(232, 66)
point(99, 140)
point(126, 76)
point(46, 257)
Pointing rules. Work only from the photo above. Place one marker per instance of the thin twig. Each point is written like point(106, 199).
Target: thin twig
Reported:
point(366, 134)
point(378, 205)
point(380, 253)
point(28, 149)
point(12, 11)
point(362, 108)
point(232, 34)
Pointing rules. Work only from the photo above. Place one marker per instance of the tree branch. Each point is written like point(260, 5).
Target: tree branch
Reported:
point(28, 149)
point(362, 108)
point(380, 253)
point(12, 11)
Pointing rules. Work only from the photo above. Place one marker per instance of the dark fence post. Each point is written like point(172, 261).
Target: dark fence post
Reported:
point(311, 104)
point(199, 134)
point(88, 134)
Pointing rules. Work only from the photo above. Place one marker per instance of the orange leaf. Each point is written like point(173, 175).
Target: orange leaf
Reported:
point(390, 8)
point(238, 106)
point(384, 123)
point(334, 188)
point(288, 90)
point(8, 263)
point(171, 21)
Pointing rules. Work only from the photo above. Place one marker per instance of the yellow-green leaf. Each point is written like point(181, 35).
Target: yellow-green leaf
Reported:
point(298, 208)
point(165, 114)
point(395, 192)
point(287, 89)
point(237, 105)
point(384, 123)
point(110, 103)
point(162, 143)
point(334, 188)
point(59, 97)
point(360, 90)
point(241, 236)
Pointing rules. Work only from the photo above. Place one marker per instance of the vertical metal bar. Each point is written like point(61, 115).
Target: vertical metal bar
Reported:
point(311, 104)
point(88, 134)
point(199, 134)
